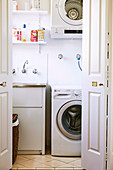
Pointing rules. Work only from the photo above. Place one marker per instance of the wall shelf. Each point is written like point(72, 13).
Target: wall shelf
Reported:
point(23, 12)
point(37, 13)
point(33, 43)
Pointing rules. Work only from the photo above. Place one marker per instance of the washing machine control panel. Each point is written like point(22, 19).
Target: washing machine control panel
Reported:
point(75, 94)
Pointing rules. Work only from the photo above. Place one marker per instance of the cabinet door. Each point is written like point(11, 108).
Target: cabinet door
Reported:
point(44, 5)
point(27, 97)
point(30, 128)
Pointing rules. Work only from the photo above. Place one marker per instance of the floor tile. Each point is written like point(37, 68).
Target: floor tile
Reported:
point(44, 168)
point(51, 157)
point(29, 156)
point(66, 166)
point(46, 162)
point(64, 169)
point(43, 159)
point(54, 163)
point(79, 169)
point(76, 164)
point(37, 157)
point(26, 169)
point(18, 166)
point(66, 159)
point(33, 164)
point(20, 158)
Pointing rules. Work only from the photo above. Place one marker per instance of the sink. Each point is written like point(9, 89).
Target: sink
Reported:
point(23, 85)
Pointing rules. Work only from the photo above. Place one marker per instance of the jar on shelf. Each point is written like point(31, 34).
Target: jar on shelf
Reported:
point(41, 34)
point(33, 35)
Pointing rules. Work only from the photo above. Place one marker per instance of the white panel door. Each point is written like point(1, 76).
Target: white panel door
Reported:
point(5, 88)
point(95, 34)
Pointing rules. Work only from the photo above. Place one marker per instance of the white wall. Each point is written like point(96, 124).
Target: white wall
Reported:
point(63, 71)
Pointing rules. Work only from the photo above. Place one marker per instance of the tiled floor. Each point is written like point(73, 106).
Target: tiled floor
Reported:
point(46, 162)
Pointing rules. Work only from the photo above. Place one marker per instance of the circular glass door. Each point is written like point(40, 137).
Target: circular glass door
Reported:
point(69, 120)
point(71, 11)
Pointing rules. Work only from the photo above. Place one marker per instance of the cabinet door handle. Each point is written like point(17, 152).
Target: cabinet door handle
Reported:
point(101, 84)
point(94, 83)
point(3, 84)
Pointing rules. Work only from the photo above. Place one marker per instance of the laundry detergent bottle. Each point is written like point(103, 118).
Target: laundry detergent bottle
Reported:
point(24, 33)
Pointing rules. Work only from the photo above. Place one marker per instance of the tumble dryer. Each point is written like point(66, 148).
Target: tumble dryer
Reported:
point(66, 18)
point(66, 121)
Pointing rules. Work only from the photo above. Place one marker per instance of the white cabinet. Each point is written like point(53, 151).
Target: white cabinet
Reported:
point(29, 104)
point(28, 97)
point(44, 5)
point(30, 128)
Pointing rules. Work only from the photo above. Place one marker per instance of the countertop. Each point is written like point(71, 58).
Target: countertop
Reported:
point(27, 85)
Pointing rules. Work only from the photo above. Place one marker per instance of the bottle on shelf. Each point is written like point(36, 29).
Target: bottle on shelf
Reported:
point(27, 5)
point(15, 5)
point(35, 5)
point(28, 32)
point(24, 33)
point(16, 34)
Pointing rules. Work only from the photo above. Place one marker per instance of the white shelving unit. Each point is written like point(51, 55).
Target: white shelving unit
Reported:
point(33, 43)
point(38, 13)
point(23, 12)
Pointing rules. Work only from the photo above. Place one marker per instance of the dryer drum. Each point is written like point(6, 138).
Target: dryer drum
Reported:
point(71, 11)
point(74, 9)
point(73, 14)
point(69, 121)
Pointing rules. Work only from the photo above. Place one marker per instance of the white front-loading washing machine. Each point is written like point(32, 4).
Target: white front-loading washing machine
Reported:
point(66, 121)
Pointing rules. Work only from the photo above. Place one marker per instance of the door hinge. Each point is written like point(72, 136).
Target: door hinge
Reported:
point(107, 64)
point(107, 50)
point(107, 74)
point(108, 38)
point(107, 156)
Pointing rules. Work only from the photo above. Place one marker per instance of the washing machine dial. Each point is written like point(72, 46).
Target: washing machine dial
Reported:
point(77, 95)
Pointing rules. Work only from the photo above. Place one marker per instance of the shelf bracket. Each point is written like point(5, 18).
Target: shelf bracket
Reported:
point(39, 49)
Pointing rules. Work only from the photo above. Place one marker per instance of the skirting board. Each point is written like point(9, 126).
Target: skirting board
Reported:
point(30, 152)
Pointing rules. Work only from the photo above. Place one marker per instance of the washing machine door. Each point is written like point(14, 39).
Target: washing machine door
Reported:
point(69, 120)
point(71, 11)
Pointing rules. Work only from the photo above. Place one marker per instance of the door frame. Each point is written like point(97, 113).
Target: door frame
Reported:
point(10, 62)
point(110, 124)
point(110, 91)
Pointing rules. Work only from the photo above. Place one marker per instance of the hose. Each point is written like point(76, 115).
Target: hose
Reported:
point(79, 66)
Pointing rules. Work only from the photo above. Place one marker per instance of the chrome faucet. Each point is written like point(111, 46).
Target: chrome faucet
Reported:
point(24, 70)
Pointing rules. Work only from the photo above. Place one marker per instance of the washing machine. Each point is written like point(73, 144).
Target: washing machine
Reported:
point(66, 121)
point(66, 18)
